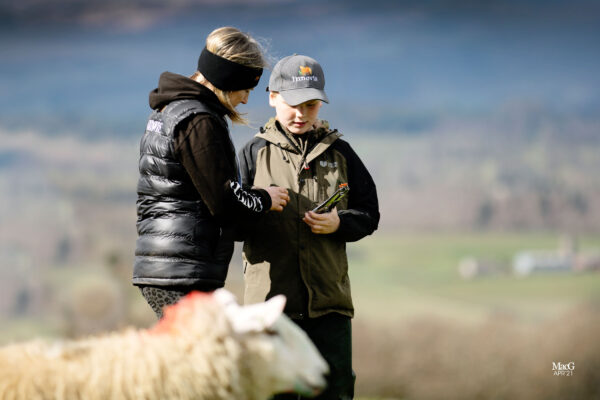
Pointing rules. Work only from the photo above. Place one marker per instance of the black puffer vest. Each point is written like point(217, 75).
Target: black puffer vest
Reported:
point(179, 241)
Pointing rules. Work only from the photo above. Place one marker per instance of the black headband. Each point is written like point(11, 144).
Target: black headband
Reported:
point(225, 74)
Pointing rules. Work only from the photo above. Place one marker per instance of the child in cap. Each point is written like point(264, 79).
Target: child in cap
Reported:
point(297, 252)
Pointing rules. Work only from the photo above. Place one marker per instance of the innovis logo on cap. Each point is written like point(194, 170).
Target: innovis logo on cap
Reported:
point(304, 74)
point(303, 71)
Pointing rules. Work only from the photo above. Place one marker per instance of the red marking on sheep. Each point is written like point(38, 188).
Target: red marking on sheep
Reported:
point(175, 316)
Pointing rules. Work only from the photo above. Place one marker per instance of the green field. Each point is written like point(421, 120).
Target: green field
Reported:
point(394, 276)
point(423, 332)
point(415, 317)
point(399, 275)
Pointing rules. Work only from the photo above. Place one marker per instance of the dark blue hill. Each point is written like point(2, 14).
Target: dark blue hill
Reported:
point(87, 67)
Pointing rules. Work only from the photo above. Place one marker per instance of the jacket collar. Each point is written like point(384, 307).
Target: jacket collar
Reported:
point(318, 140)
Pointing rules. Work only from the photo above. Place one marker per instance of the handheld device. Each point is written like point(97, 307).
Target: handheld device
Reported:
point(331, 202)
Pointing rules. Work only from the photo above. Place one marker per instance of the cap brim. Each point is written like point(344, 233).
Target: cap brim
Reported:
point(294, 97)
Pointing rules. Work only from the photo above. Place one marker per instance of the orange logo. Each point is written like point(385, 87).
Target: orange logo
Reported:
point(304, 71)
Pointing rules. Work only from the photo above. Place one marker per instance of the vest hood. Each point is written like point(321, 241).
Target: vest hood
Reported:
point(173, 87)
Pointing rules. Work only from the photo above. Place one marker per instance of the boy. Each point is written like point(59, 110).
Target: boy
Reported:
point(297, 252)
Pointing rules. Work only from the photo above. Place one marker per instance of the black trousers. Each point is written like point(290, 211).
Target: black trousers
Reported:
point(332, 335)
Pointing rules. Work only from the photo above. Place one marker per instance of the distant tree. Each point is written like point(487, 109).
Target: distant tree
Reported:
point(579, 203)
point(63, 250)
point(484, 214)
point(544, 205)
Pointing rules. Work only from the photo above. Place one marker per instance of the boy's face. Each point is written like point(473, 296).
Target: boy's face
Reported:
point(296, 119)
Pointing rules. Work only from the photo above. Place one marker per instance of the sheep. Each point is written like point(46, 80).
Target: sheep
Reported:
point(205, 347)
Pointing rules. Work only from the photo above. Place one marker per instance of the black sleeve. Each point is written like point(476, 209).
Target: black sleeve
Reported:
point(247, 163)
point(362, 216)
point(247, 159)
point(206, 152)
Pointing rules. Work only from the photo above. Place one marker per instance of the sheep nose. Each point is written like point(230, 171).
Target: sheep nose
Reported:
point(318, 379)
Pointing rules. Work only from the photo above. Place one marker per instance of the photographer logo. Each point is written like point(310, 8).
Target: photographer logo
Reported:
point(563, 369)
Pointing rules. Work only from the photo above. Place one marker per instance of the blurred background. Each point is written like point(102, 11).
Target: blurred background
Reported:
point(479, 122)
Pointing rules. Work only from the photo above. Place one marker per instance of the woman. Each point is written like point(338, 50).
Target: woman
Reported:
point(189, 190)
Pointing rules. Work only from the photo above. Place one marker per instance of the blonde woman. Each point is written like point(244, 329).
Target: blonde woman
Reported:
point(190, 194)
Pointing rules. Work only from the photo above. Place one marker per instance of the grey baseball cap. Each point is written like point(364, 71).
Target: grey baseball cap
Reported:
point(298, 79)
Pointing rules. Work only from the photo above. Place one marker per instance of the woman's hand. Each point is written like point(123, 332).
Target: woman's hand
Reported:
point(279, 197)
point(322, 223)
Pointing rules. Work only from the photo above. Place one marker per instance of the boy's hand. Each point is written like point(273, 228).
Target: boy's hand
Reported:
point(279, 197)
point(322, 223)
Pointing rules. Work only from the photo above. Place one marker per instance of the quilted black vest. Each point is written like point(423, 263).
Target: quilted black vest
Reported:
point(179, 241)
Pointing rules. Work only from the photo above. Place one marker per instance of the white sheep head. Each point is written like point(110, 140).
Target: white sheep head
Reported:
point(295, 363)
point(275, 355)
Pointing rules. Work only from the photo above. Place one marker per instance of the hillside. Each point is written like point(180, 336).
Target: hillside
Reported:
point(70, 200)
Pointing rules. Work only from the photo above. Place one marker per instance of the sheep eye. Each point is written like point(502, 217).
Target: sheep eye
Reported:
point(271, 332)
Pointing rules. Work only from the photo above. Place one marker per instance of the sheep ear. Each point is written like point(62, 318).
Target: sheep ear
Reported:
point(224, 297)
point(274, 309)
point(255, 317)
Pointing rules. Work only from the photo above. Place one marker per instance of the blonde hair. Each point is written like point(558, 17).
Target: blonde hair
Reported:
point(236, 46)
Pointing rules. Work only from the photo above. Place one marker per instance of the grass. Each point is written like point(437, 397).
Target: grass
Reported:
point(416, 274)
point(417, 319)
point(423, 332)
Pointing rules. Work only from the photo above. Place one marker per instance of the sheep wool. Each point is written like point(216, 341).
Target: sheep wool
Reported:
point(194, 352)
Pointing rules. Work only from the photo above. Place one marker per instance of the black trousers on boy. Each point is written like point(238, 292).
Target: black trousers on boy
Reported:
point(332, 335)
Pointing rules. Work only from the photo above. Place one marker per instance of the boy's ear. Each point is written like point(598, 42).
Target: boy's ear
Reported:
point(272, 97)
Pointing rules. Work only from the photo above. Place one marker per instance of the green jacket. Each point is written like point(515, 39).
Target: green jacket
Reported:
point(281, 254)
